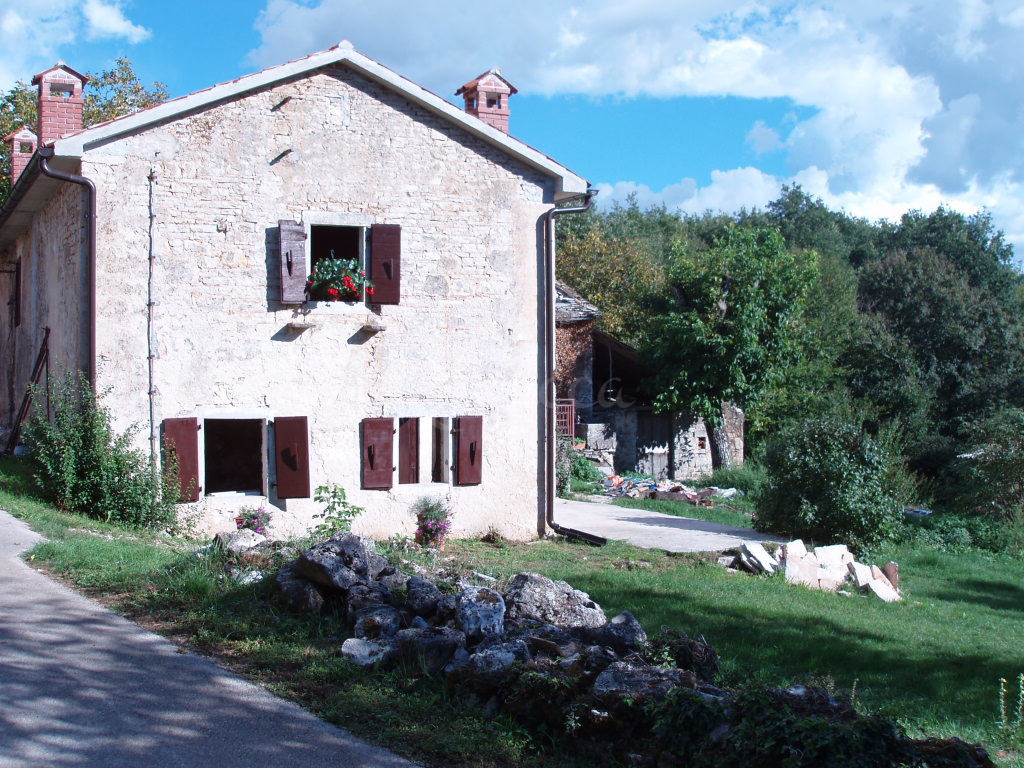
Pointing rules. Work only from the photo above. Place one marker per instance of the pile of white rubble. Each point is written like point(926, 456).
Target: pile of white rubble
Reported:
point(826, 568)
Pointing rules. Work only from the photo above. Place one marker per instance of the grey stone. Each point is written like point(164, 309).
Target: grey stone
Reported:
point(445, 609)
point(499, 657)
point(429, 649)
point(246, 578)
point(393, 579)
point(625, 680)
point(366, 652)
point(533, 596)
point(378, 623)
point(422, 596)
point(418, 622)
point(479, 612)
point(298, 593)
point(338, 563)
point(623, 633)
point(363, 598)
point(239, 541)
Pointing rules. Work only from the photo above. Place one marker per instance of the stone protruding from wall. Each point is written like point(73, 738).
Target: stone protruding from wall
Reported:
point(60, 102)
point(734, 420)
point(487, 98)
point(23, 145)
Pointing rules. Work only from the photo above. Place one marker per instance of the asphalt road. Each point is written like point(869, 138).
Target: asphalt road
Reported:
point(81, 687)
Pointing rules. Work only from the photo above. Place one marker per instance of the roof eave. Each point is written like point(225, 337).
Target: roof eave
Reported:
point(570, 184)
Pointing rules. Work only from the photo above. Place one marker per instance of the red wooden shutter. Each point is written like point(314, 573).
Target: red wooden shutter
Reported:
point(291, 441)
point(181, 440)
point(408, 450)
point(292, 261)
point(386, 263)
point(469, 459)
point(377, 462)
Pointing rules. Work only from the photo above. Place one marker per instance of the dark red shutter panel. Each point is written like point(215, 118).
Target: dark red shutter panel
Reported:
point(469, 431)
point(291, 441)
point(386, 263)
point(408, 450)
point(293, 262)
point(181, 439)
point(377, 462)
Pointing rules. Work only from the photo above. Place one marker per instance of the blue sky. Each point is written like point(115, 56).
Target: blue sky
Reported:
point(878, 106)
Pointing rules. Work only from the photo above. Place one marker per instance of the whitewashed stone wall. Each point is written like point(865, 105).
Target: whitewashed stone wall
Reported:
point(463, 341)
point(54, 280)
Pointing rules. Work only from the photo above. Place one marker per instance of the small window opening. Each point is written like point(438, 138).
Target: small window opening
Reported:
point(702, 443)
point(234, 455)
point(471, 103)
point(408, 450)
point(335, 242)
point(62, 90)
point(25, 147)
point(439, 451)
point(494, 101)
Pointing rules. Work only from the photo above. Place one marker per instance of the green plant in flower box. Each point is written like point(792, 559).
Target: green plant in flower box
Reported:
point(338, 280)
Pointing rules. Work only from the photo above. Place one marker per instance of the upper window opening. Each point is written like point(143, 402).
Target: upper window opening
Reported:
point(345, 245)
point(335, 243)
point(494, 100)
point(25, 147)
point(234, 455)
point(62, 90)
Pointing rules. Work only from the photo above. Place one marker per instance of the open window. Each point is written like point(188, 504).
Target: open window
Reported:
point(374, 251)
point(234, 452)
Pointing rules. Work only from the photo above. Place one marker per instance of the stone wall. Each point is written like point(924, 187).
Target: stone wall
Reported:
point(734, 420)
point(329, 148)
point(54, 281)
point(574, 362)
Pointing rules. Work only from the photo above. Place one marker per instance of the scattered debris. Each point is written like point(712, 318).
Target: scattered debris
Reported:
point(645, 488)
point(827, 568)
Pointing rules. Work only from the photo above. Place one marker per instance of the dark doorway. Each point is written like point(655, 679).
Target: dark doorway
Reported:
point(234, 455)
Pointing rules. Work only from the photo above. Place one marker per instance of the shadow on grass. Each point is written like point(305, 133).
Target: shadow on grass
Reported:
point(999, 596)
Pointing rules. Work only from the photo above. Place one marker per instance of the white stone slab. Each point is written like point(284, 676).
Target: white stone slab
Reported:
point(758, 553)
point(861, 574)
point(883, 590)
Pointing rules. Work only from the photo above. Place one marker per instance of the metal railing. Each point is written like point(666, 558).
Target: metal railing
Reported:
point(565, 417)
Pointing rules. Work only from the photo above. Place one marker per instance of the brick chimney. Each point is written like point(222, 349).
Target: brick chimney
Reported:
point(487, 98)
point(60, 102)
point(23, 146)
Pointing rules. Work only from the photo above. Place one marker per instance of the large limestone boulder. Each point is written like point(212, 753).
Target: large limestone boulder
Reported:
point(341, 562)
point(480, 612)
point(532, 596)
point(298, 593)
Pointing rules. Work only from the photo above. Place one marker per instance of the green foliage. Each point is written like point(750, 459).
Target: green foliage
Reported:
point(338, 280)
point(433, 521)
point(338, 513)
point(84, 466)
point(108, 95)
point(729, 328)
point(831, 482)
point(748, 477)
point(256, 519)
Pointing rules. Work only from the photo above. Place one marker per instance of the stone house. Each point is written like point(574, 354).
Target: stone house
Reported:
point(166, 255)
point(600, 381)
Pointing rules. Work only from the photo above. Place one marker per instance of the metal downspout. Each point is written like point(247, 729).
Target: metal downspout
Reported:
point(550, 436)
point(44, 154)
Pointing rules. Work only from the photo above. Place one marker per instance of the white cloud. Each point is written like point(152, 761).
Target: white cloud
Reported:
point(908, 102)
point(106, 19)
point(763, 139)
point(32, 35)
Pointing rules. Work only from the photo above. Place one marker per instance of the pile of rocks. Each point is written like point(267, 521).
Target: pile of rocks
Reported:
point(826, 568)
point(546, 626)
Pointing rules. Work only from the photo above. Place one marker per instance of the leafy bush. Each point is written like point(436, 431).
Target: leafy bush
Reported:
point(956, 533)
point(433, 521)
point(748, 478)
point(84, 466)
point(338, 513)
point(828, 480)
point(583, 469)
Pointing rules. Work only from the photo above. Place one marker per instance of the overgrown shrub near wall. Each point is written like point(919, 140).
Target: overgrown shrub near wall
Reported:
point(84, 466)
point(831, 482)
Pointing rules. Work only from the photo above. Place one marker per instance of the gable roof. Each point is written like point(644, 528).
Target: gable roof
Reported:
point(494, 72)
point(571, 308)
point(570, 184)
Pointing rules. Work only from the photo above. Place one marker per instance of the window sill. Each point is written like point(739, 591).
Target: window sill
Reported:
point(335, 307)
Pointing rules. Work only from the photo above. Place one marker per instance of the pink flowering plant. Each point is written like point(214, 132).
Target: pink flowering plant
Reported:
point(253, 519)
point(433, 521)
point(338, 280)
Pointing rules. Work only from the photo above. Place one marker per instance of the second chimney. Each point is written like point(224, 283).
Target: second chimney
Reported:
point(487, 98)
point(23, 146)
point(60, 102)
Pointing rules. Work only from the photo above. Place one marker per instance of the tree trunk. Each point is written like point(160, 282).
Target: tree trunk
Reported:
point(721, 448)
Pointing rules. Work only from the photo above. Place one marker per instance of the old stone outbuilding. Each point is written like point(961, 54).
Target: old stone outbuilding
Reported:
point(603, 402)
point(166, 254)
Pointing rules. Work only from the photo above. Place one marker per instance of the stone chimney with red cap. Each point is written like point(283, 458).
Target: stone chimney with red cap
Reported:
point(23, 146)
point(487, 98)
point(60, 102)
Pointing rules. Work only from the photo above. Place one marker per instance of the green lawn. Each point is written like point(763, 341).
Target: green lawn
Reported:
point(933, 661)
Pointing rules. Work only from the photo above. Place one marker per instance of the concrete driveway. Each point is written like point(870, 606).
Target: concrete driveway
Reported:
point(82, 687)
point(653, 530)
